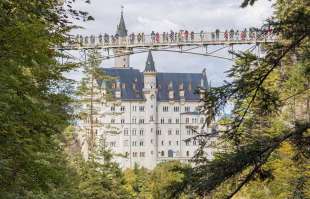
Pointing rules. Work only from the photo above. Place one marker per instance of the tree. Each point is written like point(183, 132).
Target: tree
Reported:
point(91, 95)
point(270, 112)
point(34, 100)
point(101, 178)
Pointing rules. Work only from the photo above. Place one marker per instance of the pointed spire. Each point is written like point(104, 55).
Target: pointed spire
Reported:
point(121, 28)
point(150, 65)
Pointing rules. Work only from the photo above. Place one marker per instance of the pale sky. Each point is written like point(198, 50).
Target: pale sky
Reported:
point(166, 15)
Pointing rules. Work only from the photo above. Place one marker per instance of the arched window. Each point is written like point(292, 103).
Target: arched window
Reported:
point(170, 153)
point(162, 153)
point(187, 153)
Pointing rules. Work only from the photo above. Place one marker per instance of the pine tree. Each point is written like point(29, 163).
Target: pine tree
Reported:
point(34, 100)
point(270, 111)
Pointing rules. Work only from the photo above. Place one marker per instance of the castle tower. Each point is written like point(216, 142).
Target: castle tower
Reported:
point(150, 95)
point(121, 60)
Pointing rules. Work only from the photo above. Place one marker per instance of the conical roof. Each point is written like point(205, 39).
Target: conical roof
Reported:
point(150, 65)
point(121, 27)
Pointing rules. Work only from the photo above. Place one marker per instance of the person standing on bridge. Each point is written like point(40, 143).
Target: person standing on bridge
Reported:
point(213, 36)
point(242, 35)
point(92, 39)
point(171, 35)
point(157, 37)
point(100, 38)
point(116, 37)
point(132, 39)
point(153, 36)
point(180, 36)
point(231, 34)
point(86, 40)
point(164, 37)
point(142, 37)
point(201, 35)
point(237, 35)
point(217, 34)
point(226, 35)
point(81, 39)
point(192, 36)
point(186, 35)
point(106, 38)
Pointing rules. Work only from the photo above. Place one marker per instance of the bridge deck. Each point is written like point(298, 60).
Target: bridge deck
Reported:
point(166, 40)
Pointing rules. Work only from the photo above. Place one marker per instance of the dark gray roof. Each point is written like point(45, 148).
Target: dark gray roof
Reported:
point(190, 81)
point(134, 83)
point(121, 27)
point(128, 77)
point(150, 65)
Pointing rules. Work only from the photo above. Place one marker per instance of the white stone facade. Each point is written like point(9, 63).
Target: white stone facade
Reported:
point(153, 114)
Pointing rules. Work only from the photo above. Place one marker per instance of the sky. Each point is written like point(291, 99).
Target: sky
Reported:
point(166, 15)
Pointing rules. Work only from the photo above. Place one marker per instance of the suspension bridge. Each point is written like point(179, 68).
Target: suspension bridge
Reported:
point(124, 44)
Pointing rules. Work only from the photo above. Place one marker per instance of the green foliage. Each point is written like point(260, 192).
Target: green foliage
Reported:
point(162, 182)
point(34, 102)
point(91, 94)
point(101, 178)
point(270, 98)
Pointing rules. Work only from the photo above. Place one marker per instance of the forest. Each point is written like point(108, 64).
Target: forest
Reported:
point(263, 151)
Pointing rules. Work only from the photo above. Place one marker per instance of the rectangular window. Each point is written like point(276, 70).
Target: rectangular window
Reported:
point(141, 132)
point(142, 154)
point(162, 120)
point(125, 131)
point(177, 121)
point(141, 108)
point(113, 144)
point(169, 132)
point(187, 109)
point(177, 132)
point(186, 120)
point(122, 121)
point(176, 109)
point(141, 143)
point(165, 108)
point(112, 108)
point(122, 108)
point(162, 143)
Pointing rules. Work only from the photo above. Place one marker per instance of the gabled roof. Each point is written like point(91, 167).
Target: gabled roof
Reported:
point(150, 65)
point(121, 27)
point(132, 84)
point(190, 82)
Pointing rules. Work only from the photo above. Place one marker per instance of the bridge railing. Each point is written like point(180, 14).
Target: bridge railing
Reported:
point(179, 38)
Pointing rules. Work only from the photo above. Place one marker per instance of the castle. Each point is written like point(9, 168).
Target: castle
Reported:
point(154, 112)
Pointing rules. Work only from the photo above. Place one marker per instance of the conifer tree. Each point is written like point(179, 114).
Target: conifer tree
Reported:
point(270, 111)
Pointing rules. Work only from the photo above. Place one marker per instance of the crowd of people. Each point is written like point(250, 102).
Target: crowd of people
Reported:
point(175, 37)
